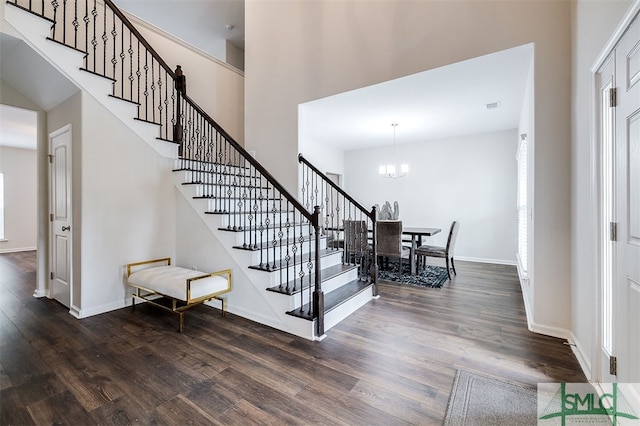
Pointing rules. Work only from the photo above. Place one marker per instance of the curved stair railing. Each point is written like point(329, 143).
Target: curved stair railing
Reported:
point(339, 212)
point(236, 185)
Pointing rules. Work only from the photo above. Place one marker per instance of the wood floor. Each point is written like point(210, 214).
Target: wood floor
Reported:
point(392, 362)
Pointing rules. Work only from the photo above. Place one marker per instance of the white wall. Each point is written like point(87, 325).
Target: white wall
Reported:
point(468, 178)
point(20, 198)
point(123, 203)
point(128, 207)
point(319, 49)
point(594, 22)
point(214, 85)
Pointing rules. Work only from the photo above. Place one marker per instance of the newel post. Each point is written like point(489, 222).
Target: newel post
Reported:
point(374, 251)
point(181, 90)
point(318, 295)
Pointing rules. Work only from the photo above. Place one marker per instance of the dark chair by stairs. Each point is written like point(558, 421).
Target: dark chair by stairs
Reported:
point(389, 240)
point(441, 252)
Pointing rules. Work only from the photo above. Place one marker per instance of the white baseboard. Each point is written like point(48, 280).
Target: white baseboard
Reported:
point(483, 260)
point(38, 293)
point(558, 332)
point(581, 356)
point(75, 312)
point(101, 309)
point(16, 250)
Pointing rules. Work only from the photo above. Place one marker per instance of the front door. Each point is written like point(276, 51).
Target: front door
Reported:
point(60, 215)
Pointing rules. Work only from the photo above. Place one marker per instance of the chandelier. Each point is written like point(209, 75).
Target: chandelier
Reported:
point(391, 170)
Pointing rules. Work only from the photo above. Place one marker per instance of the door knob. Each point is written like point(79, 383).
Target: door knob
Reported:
point(66, 228)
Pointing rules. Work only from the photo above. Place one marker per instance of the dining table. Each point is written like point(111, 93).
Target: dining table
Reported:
point(416, 234)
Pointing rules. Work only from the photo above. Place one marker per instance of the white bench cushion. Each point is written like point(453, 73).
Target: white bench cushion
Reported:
point(172, 281)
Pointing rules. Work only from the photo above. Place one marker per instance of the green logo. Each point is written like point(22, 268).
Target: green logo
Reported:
point(580, 403)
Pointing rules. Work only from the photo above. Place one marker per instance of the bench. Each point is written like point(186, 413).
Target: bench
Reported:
point(176, 289)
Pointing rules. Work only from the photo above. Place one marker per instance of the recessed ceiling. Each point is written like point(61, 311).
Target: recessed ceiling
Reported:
point(436, 104)
point(18, 127)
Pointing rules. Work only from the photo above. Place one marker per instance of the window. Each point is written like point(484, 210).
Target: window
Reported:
point(523, 208)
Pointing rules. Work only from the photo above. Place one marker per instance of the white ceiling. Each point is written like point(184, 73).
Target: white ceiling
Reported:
point(436, 104)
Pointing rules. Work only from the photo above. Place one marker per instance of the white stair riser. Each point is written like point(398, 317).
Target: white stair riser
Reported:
point(348, 307)
point(340, 280)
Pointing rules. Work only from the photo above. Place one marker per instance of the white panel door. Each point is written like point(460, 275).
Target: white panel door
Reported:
point(60, 215)
point(627, 196)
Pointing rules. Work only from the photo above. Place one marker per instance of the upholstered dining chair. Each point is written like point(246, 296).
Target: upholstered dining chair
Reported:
point(442, 252)
point(389, 240)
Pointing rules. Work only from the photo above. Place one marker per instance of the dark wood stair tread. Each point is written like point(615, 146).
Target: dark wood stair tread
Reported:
point(334, 299)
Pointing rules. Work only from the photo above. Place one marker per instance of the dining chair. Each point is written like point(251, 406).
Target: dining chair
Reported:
point(441, 252)
point(389, 240)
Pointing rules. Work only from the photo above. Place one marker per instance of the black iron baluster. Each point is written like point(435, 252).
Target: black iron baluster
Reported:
point(64, 21)
point(114, 61)
point(234, 180)
point(288, 241)
point(274, 242)
point(310, 270)
point(55, 5)
point(219, 169)
point(153, 91)
point(75, 24)
point(280, 235)
point(294, 250)
point(301, 271)
point(166, 106)
point(209, 141)
point(131, 78)
point(122, 58)
point(94, 40)
point(146, 85)
point(267, 221)
point(138, 75)
point(104, 41)
point(86, 20)
point(261, 227)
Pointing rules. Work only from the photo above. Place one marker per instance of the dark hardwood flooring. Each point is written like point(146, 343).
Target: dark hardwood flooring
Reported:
point(392, 362)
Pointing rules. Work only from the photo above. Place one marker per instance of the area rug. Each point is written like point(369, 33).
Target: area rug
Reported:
point(481, 400)
point(429, 276)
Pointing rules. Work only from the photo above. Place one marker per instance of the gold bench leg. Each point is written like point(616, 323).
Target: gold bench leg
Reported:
point(224, 305)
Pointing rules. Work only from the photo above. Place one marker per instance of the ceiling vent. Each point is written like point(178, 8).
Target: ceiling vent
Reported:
point(493, 105)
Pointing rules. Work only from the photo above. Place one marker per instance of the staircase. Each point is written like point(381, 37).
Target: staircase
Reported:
point(290, 249)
